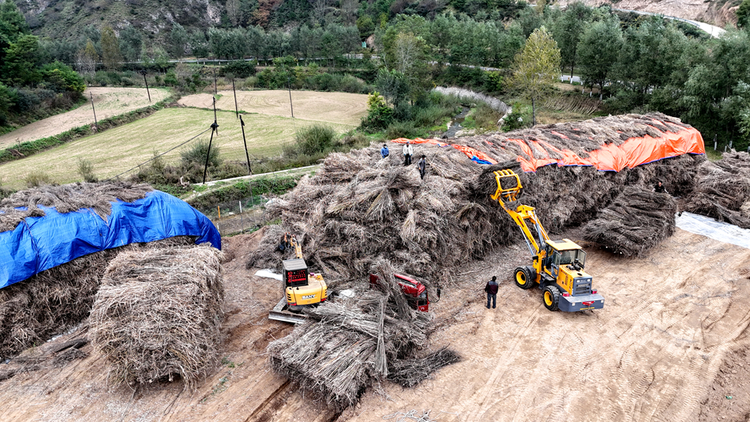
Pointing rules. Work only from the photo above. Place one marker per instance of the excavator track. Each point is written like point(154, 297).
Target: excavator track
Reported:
point(279, 313)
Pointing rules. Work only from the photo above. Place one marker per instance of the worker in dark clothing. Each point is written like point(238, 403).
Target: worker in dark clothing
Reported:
point(422, 164)
point(659, 187)
point(491, 289)
point(384, 151)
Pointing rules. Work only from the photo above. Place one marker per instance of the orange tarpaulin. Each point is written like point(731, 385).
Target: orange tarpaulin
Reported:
point(610, 157)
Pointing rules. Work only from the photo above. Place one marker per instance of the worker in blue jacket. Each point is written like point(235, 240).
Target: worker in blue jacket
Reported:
point(384, 151)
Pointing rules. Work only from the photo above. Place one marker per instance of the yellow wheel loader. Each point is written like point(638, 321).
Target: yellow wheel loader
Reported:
point(557, 266)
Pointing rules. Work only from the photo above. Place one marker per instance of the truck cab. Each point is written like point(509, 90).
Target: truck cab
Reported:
point(416, 292)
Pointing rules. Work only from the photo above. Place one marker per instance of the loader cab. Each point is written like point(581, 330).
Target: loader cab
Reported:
point(562, 253)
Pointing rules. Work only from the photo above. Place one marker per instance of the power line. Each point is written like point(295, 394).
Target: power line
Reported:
point(157, 156)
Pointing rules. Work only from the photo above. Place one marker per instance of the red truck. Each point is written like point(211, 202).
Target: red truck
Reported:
point(416, 292)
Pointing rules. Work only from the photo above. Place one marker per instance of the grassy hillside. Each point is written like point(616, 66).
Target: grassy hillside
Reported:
point(117, 150)
point(67, 18)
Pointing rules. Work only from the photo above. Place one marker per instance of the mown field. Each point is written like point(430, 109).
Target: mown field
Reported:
point(119, 149)
point(108, 102)
point(336, 107)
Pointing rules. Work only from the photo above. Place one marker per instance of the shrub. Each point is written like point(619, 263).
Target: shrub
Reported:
point(486, 118)
point(401, 130)
point(315, 139)
point(170, 79)
point(86, 170)
point(239, 68)
point(197, 155)
point(61, 77)
point(516, 120)
point(38, 178)
point(379, 115)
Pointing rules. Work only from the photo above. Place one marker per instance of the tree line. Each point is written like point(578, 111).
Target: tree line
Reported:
point(636, 63)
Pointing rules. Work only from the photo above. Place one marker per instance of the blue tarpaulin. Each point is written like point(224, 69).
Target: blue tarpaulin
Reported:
point(40, 243)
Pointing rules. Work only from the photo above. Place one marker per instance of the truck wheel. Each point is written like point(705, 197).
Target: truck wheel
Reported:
point(524, 277)
point(551, 297)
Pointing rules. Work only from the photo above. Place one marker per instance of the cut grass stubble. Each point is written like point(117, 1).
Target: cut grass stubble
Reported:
point(120, 149)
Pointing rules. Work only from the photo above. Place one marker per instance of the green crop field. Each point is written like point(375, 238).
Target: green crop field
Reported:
point(119, 149)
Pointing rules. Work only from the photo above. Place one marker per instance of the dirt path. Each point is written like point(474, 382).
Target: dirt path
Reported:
point(652, 353)
point(334, 107)
point(107, 101)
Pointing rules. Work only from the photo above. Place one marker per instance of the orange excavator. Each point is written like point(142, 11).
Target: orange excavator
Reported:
point(557, 266)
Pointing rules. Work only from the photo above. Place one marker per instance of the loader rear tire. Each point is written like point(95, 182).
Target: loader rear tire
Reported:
point(551, 298)
point(525, 277)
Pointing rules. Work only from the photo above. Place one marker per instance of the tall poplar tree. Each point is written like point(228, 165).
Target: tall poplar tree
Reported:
point(537, 67)
point(111, 56)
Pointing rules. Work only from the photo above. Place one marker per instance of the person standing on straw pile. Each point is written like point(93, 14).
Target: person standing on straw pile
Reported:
point(421, 165)
point(408, 152)
point(491, 289)
point(384, 151)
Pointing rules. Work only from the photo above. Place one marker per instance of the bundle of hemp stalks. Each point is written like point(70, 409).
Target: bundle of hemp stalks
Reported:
point(51, 302)
point(723, 190)
point(67, 198)
point(350, 344)
point(635, 222)
point(158, 313)
point(360, 208)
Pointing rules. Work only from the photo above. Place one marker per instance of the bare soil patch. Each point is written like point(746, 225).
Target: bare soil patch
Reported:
point(333, 107)
point(652, 353)
point(108, 102)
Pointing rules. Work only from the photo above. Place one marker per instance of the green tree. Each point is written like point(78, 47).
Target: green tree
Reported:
point(86, 58)
point(598, 51)
point(22, 60)
point(111, 56)
point(393, 85)
point(12, 26)
point(62, 78)
point(131, 43)
point(178, 41)
point(743, 14)
point(537, 67)
point(568, 31)
point(198, 43)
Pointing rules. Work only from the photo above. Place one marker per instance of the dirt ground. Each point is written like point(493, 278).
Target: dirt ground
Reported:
point(670, 344)
point(108, 102)
point(334, 107)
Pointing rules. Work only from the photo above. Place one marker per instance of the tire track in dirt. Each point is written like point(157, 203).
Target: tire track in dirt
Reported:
point(482, 395)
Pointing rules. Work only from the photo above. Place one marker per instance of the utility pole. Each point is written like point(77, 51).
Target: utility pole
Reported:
point(214, 128)
point(236, 109)
point(242, 124)
point(289, 87)
point(96, 124)
point(214, 82)
point(143, 72)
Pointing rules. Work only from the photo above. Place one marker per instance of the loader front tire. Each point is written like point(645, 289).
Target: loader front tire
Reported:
point(525, 277)
point(551, 298)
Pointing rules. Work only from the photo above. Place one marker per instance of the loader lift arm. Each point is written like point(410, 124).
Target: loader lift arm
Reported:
point(523, 215)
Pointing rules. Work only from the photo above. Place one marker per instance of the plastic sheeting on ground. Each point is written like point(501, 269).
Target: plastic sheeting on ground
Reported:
point(717, 230)
point(40, 243)
point(610, 157)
